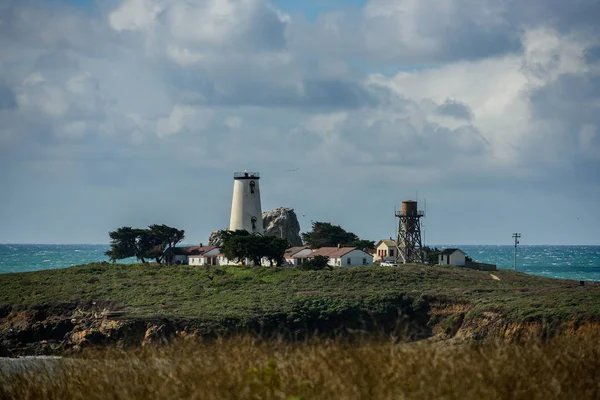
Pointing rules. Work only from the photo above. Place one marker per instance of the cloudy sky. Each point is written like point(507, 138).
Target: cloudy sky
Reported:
point(132, 112)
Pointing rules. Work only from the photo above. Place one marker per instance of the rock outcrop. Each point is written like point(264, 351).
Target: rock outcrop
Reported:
point(214, 239)
point(281, 222)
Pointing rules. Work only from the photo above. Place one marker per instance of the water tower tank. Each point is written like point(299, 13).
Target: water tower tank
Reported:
point(409, 208)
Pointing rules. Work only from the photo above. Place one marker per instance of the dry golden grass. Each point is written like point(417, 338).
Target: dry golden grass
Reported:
point(245, 368)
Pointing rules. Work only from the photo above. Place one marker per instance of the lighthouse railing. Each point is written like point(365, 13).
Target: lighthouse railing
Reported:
point(246, 175)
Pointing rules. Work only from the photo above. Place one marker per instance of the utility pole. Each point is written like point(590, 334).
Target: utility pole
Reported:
point(516, 236)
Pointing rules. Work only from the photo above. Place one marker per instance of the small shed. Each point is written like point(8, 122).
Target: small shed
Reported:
point(455, 257)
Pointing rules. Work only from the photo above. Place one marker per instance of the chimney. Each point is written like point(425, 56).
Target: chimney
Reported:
point(339, 246)
point(200, 244)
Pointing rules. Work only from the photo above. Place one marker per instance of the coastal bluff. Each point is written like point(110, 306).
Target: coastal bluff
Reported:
point(65, 310)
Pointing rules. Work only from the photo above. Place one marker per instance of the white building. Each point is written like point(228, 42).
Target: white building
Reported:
point(181, 255)
point(295, 256)
point(344, 256)
point(385, 250)
point(207, 255)
point(246, 211)
point(455, 257)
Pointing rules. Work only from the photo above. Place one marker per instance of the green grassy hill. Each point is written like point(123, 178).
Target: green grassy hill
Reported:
point(67, 310)
point(436, 299)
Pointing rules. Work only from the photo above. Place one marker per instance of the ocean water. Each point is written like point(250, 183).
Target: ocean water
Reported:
point(564, 262)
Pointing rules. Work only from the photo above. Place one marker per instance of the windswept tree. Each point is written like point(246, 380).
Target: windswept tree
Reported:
point(274, 249)
point(123, 243)
point(364, 245)
point(240, 245)
point(166, 239)
point(157, 242)
point(233, 245)
point(432, 254)
point(324, 234)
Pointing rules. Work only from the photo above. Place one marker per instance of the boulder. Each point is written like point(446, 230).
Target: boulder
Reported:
point(214, 239)
point(282, 222)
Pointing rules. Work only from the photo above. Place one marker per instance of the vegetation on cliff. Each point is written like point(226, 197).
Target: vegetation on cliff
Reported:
point(414, 300)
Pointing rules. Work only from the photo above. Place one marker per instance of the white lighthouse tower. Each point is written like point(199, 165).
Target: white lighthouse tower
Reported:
point(246, 213)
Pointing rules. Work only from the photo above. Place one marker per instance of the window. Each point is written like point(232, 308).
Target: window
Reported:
point(348, 261)
point(253, 220)
point(364, 261)
point(391, 252)
point(252, 186)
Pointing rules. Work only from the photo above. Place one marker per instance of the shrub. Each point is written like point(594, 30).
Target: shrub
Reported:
point(317, 263)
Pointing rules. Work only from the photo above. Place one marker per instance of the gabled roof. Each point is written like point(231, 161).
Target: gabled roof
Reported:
point(184, 250)
point(293, 250)
point(387, 242)
point(332, 252)
point(450, 251)
point(194, 250)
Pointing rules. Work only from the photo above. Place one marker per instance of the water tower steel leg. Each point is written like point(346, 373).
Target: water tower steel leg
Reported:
point(409, 244)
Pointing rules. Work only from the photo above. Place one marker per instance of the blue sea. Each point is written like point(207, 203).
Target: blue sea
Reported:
point(564, 262)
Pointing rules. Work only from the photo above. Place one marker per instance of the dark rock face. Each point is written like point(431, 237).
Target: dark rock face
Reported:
point(282, 222)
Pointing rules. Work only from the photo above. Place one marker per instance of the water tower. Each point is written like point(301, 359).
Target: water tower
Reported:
point(410, 248)
point(246, 213)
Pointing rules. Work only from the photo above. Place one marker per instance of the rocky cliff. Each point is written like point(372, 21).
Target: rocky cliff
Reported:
point(281, 222)
point(64, 331)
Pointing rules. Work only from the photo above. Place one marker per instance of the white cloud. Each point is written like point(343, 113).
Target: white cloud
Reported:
point(208, 22)
point(38, 95)
point(548, 55)
point(33, 79)
point(184, 56)
point(497, 90)
point(326, 124)
point(81, 84)
point(134, 15)
point(233, 122)
point(72, 130)
point(183, 118)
